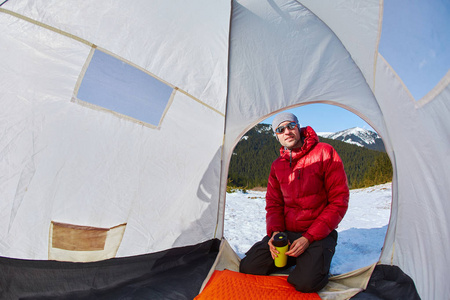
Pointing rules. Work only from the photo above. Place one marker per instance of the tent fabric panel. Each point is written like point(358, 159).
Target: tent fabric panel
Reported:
point(357, 25)
point(50, 169)
point(438, 91)
point(313, 67)
point(177, 273)
point(322, 71)
point(73, 178)
point(56, 153)
point(420, 137)
point(39, 70)
point(178, 185)
point(158, 37)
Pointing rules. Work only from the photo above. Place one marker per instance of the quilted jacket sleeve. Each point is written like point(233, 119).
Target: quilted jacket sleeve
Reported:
point(335, 182)
point(274, 205)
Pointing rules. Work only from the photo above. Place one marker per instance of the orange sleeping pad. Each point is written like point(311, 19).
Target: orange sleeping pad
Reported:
point(233, 285)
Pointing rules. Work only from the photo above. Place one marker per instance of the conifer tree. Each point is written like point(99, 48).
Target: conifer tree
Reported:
point(254, 154)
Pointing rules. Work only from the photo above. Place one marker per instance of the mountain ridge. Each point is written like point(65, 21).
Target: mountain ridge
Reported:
point(257, 149)
point(357, 136)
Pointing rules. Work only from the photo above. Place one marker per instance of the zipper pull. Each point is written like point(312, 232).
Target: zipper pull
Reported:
point(290, 159)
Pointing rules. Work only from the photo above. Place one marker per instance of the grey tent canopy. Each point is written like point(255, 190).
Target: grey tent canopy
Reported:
point(119, 119)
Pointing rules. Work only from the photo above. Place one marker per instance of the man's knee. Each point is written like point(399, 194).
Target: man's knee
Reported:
point(308, 284)
point(254, 267)
point(311, 272)
point(258, 260)
point(245, 267)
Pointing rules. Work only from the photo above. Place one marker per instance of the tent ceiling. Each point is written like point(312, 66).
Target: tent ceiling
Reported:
point(227, 65)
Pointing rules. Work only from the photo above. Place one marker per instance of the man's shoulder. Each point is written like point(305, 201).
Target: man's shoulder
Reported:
point(325, 146)
point(277, 161)
point(279, 164)
point(320, 146)
point(323, 150)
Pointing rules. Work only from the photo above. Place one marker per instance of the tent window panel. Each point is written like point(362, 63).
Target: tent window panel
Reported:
point(117, 86)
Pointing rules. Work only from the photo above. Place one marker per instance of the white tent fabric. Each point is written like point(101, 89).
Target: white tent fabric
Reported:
point(230, 65)
point(64, 162)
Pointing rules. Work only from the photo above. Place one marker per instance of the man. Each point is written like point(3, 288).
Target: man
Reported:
point(307, 196)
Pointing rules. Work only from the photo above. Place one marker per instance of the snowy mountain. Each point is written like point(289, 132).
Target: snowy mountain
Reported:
point(357, 136)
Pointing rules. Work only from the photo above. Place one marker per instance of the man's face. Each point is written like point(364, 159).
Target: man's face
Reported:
point(289, 138)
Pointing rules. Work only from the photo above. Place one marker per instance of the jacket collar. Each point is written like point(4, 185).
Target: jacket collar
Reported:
point(310, 139)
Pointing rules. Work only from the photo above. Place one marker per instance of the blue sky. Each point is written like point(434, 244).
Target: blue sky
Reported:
point(326, 118)
point(415, 40)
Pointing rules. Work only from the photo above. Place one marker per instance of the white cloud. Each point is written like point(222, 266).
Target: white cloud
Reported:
point(422, 64)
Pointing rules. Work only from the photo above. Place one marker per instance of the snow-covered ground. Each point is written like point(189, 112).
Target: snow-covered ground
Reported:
point(361, 232)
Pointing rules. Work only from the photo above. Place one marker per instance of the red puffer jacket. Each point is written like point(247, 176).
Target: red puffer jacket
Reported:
point(307, 189)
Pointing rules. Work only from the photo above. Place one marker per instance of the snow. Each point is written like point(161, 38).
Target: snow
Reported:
point(324, 134)
point(362, 136)
point(349, 141)
point(263, 129)
point(361, 232)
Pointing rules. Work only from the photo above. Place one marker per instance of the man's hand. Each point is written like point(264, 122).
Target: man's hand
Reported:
point(298, 247)
point(273, 250)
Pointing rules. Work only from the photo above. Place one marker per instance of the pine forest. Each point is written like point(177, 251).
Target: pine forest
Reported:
point(254, 154)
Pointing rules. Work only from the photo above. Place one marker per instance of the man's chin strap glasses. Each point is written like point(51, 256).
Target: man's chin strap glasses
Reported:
point(281, 129)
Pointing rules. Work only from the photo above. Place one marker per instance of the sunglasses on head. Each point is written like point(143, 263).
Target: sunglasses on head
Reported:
point(280, 129)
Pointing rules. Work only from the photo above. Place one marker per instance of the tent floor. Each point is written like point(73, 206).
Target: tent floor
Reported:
point(389, 282)
point(177, 273)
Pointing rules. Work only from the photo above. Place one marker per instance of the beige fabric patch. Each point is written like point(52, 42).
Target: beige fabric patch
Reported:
point(78, 238)
point(69, 242)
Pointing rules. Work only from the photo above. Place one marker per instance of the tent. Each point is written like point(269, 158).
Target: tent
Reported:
point(118, 120)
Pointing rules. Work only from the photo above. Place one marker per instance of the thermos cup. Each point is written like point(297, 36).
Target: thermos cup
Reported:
point(280, 241)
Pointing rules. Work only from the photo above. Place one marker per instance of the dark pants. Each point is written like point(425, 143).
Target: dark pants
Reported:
point(311, 267)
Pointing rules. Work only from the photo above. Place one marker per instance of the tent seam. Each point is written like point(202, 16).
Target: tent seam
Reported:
point(222, 191)
point(83, 71)
point(160, 79)
point(398, 77)
point(439, 87)
point(92, 45)
point(54, 29)
point(380, 26)
point(121, 116)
